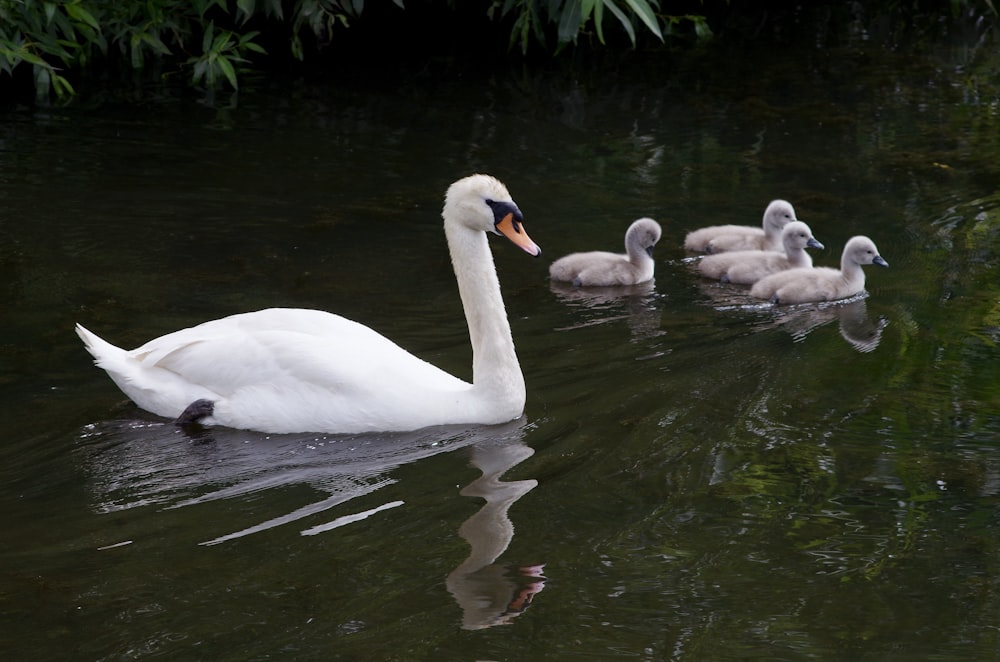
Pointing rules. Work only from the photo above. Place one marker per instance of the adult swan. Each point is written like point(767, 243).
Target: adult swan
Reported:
point(295, 370)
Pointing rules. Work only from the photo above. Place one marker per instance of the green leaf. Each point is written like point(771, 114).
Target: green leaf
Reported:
point(71, 45)
point(520, 32)
point(155, 43)
point(599, 20)
point(569, 22)
point(135, 44)
point(206, 40)
point(646, 15)
point(62, 86)
point(622, 18)
point(42, 82)
point(80, 14)
point(274, 9)
point(31, 58)
point(222, 42)
point(248, 36)
point(701, 27)
point(227, 69)
point(245, 9)
point(199, 71)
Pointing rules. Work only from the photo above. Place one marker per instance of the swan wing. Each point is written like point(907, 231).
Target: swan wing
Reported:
point(756, 265)
point(288, 349)
point(599, 269)
point(699, 240)
point(751, 239)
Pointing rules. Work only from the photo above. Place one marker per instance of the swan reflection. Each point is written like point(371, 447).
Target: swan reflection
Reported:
point(135, 463)
point(490, 593)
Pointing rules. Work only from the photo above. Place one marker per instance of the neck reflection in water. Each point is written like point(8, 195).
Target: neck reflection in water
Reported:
point(490, 593)
point(142, 462)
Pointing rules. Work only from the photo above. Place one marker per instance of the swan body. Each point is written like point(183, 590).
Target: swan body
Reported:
point(603, 269)
point(723, 238)
point(747, 267)
point(295, 370)
point(811, 284)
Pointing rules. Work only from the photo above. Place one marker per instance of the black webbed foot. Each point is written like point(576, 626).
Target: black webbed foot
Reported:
point(194, 413)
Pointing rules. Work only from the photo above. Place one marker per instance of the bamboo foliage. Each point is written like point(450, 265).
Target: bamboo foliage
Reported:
point(53, 42)
point(212, 41)
point(575, 18)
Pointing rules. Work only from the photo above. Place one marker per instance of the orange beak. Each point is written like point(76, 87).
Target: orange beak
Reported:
point(517, 234)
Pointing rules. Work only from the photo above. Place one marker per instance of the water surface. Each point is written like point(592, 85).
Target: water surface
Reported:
point(696, 476)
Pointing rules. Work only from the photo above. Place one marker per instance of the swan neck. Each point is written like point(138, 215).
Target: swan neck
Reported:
point(637, 255)
point(495, 368)
point(851, 271)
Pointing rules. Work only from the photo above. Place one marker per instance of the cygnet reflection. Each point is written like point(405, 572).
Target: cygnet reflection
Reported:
point(635, 304)
point(856, 327)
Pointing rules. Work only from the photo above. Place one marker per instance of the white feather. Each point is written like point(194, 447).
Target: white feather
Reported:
point(294, 370)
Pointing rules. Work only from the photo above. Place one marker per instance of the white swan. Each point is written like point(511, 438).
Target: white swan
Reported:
point(747, 267)
point(294, 370)
point(722, 238)
point(822, 283)
point(604, 269)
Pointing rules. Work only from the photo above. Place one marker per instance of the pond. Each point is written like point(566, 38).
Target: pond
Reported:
point(697, 474)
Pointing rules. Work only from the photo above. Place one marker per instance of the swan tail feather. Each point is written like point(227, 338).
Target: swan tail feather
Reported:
point(115, 360)
point(99, 348)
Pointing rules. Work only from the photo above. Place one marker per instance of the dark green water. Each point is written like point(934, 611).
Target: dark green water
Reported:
point(695, 478)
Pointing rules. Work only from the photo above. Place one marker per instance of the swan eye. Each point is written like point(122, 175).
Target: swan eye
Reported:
point(503, 209)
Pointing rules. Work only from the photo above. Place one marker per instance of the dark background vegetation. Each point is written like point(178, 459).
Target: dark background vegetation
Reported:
point(54, 52)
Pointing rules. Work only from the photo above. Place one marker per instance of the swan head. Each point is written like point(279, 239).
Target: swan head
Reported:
point(481, 202)
point(642, 235)
point(798, 235)
point(778, 214)
point(862, 250)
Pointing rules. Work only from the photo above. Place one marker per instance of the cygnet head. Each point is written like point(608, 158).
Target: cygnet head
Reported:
point(778, 214)
point(797, 235)
point(642, 235)
point(482, 202)
point(861, 250)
